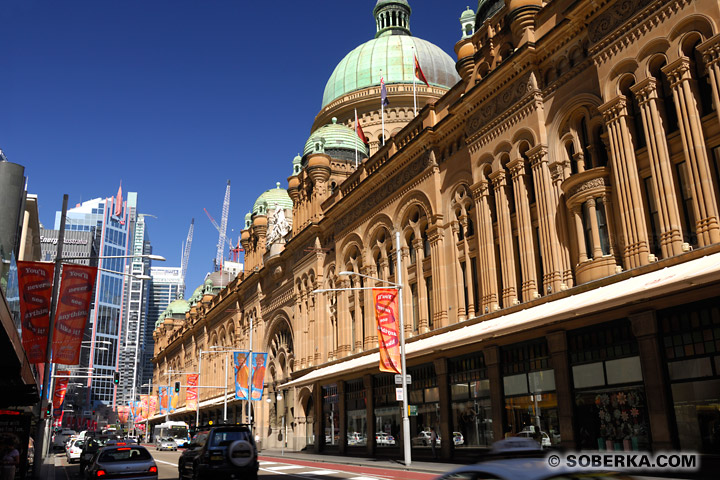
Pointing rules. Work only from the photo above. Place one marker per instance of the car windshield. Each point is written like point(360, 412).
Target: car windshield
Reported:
point(224, 438)
point(124, 454)
point(79, 444)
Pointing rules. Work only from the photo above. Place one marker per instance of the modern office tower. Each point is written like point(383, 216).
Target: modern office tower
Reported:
point(109, 217)
point(136, 296)
point(166, 286)
point(12, 197)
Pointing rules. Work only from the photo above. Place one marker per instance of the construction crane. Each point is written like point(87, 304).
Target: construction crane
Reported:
point(186, 256)
point(223, 228)
point(234, 251)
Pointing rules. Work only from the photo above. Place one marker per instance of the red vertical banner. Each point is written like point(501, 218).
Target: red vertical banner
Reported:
point(76, 290)
point(191, 391)
point(386, 314)
point(35, 282)
point(152, 405)
point(61, 384)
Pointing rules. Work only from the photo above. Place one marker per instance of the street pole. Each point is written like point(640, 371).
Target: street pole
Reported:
point(403, 367)
point(197, 403)
point(42, 422)
point(250, 379)
point(226, 388)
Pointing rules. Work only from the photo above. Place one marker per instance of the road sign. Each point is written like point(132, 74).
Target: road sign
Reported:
point(398, 379)
point(399, 394)
point(412, 410)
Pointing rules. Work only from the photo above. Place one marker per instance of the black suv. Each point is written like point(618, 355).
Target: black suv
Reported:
point(226, 452)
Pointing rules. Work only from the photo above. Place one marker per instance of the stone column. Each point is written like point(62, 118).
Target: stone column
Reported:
point(419, 257)
point(557, 347)
point(486, 249)
point(710, 50)
point(459, 281)
point(344, 320)
point(594, 229)
point(471, 310)
point(659, 403)
point(626, 184)
point(370, 333)
point(438, 276)
point(446, 426)
point(497, 397)
point(695, 147)
point(423, 320)
point(662, 172)
point(507, 256)
point(525, 230)
point(580, 232)
point(554, 253)
point(318, 412)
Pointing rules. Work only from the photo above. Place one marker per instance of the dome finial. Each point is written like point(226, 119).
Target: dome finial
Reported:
point(392, 17)
point(277, 184)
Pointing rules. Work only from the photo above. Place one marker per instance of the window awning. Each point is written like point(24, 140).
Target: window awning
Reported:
point(673, 279)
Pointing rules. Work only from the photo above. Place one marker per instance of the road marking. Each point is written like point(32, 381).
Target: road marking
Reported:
point(264, 462)
point(286, 467)
point(363, 478)
point(166, 463)
point(320, 472)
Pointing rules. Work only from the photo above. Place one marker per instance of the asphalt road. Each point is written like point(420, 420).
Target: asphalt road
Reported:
point(270, 469)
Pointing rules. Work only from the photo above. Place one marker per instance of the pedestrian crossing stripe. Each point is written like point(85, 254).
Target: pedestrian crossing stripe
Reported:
point(320, 472)
point(363, 478)
point(285, 467)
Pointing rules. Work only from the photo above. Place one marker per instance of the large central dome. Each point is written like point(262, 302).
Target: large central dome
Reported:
point(390, 55)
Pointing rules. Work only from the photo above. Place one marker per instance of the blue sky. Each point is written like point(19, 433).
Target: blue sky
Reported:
point(174, 98)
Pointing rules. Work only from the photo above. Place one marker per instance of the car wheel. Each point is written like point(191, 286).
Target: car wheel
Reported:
point(240, 453)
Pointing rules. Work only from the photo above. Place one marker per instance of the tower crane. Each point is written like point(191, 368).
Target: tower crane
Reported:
point(222, 228)
point(186, 256)
point(234, 250)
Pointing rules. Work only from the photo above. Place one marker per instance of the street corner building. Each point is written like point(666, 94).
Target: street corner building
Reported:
point(557, 199)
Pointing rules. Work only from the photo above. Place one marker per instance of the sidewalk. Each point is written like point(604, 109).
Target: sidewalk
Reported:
point(423, 466)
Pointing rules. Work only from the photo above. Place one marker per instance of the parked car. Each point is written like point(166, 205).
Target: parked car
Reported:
point(74, 450)
point(543, 438)
point(355, 438)
point(458, 438)
point(167, 443)
point(224, 451)
point(382, 438)
point(130, 462)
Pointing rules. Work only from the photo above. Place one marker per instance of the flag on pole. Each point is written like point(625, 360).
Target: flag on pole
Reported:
point(383, 93)
point(359, 130)
point(118, 202)
point(419, 73)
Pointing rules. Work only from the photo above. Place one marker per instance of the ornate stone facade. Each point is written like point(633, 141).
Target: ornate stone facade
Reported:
point(580, 150)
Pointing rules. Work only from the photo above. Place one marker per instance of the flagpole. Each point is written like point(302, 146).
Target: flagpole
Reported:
point(414, 81)
point(356, 134)
point(382, 111)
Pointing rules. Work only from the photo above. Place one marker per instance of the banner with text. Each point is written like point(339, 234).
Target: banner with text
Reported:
point(61, 383)
point(76, 290)
point(35, 283)
point(244, 385)
point(386, 314)
point(191, 394)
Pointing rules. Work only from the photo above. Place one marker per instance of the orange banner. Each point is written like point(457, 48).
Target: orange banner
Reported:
point(61, 384)
point(152, 405)
point(191, 391)
point(386, 308)
point(123, 413)
point(145, 406)
point(76, 290)
point(35, 280)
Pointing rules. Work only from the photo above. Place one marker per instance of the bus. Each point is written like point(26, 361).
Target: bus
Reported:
point(178, 431)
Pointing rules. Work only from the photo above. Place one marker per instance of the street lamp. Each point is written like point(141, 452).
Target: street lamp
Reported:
point(403, 368)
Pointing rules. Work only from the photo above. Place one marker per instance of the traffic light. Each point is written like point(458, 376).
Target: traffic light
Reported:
point(177, 387)
point(116, 378)
point(48, 410)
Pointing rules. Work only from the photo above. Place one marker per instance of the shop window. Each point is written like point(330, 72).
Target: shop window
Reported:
point(470, 397)
point(356, 415)
point(331, 415)
point(388, 420)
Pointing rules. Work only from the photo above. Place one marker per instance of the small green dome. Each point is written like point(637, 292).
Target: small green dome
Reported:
point(392, 57)
point(269, 198)
point(248, 220)
point(468, 14)
point(335, 136)
point(178, 307)
point(382, 3)
point(161, 319)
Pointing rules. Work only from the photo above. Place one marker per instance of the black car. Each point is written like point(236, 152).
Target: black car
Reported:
point(226, 452)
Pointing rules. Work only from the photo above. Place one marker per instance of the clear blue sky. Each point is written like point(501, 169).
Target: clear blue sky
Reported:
point(174, 98)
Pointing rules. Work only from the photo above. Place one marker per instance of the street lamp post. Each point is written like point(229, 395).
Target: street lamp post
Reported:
point(403, 367)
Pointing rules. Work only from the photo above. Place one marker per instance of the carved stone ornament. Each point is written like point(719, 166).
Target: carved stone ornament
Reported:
point(383, 193)
point(589, 185)
point(499, 103)
point(613, 17)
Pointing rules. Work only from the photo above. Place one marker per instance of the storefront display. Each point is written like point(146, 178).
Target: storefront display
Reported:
point(331, 415)
point(356, 417)
point(613, 419)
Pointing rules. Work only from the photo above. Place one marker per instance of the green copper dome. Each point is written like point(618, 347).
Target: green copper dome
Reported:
point(335, 136)
point(468, 14)
point(390, 55)
point(269, 198)
point(178, 307)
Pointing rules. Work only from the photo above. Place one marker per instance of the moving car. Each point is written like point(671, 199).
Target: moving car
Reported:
point(221, 452)
point(61, 438)
point(74, 450)
point(128, 462)
point(523, 469)
point(167, 443)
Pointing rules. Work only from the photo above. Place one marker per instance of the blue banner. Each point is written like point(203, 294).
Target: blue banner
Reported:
point(249, 376)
